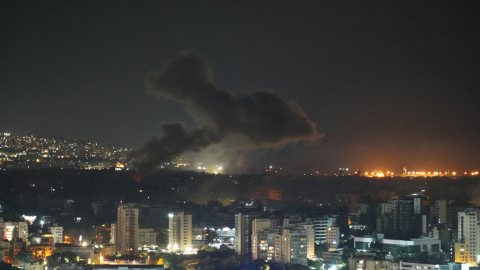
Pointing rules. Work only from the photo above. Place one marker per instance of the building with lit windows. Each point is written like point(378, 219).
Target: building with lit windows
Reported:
point(294, 245)
point(57, 232)
point(467, 247)
point(320, 225)
point(113, 232)
point(243, 233)
point(333, 236)
point(12, 230)
point(180, 233)
point(127, 229)
point(275, 194)
point(263, 240)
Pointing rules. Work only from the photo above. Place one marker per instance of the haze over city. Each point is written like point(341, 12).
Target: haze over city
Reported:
point(386, 85)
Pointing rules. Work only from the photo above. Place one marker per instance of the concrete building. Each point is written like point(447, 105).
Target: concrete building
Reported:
point(57, 232)
point(294, 241)
point(83, 253)
point(180, 233)
point(147, 237)
point(294, 245)
point(12, 230)
point(310, 240)
point(275, 194)
point(446, 235)
point(127, 229)
point(407, 265)
point(263, 245)
point(332, 257)
point(438, 212)
point(243, 233)
point(320, 225)
point(113, 231)
point(372, 261)
point(403, 218)
point(34, 266)
point(260, 236)
point(333, 236)
point(467, 248)
point(364, 243)
point(414, 245)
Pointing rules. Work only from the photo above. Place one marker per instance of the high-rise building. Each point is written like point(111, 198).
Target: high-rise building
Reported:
point(294, 245)
point(320, 225)
point(127, 229)
point(180, 232)
point(243, 233)
point(438, 212)
point(310, 230)
point(467, 248)
point(294, 242)
point(113, 233)
point(403, 218)
point(263, 240)
point(57, 232)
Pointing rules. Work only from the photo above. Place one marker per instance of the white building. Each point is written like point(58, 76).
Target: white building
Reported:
point(127, 229)
point(294, 245)
point(263, 240)
point(57, 232)
point(413, 245)
point(468, 232)
point(310, 230)
point(12, 230)
point(113, 231)
point(180, 233)
point(333, 236)
point(320, 225)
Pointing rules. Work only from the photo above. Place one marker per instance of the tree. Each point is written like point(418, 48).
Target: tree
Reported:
point(58, 248)
point(7, 266)
point(231, 262)
point(315, 264)
point(320, 248)
point(68, 256)
point(171, 260)
point(103, 237)
point(297, 267)
point(346, 255)
point(22, 258)
point(210, 235)
point(209, 249)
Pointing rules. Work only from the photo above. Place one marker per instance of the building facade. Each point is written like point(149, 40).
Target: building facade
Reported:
point(127, 229)
point(57, 232)
point(180, 233)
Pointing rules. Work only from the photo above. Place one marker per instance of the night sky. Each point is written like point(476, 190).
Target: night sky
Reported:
point(389, 83)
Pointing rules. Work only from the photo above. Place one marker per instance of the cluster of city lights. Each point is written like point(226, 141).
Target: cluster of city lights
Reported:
point(415, 173)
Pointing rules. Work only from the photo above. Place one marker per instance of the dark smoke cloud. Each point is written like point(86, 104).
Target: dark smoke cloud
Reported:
point(261, 118)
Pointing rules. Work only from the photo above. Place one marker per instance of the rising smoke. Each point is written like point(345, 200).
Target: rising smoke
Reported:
point(261, 119)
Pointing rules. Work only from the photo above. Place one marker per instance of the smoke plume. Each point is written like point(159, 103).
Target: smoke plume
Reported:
point(261, 118)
